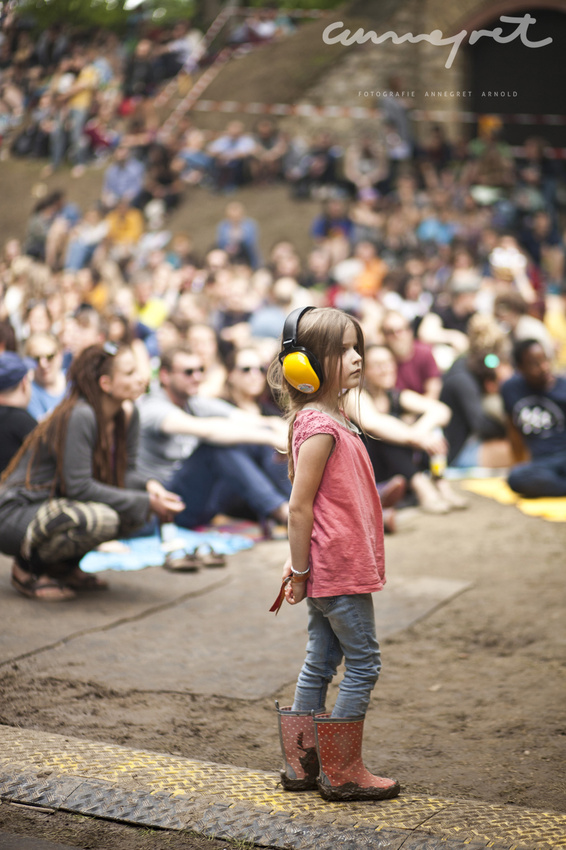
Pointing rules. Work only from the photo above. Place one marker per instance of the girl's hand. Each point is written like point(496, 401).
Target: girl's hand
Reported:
point(295, 592)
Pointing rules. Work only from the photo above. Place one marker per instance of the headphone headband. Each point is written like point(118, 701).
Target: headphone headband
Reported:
point(291, 329)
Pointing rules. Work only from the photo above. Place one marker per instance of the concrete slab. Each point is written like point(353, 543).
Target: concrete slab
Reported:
point(131, 595)
point(221, 641)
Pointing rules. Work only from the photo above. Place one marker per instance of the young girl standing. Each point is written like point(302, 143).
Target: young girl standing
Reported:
point(336, 560)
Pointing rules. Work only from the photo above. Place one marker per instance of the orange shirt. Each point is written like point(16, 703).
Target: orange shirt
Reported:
point(370, 280)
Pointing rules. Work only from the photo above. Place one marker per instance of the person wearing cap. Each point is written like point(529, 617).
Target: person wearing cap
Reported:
point(15, 393)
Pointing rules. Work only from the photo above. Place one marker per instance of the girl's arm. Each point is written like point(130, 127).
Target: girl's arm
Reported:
point(311, 462)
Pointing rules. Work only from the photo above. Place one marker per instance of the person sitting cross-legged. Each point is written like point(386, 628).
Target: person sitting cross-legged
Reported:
point(73, 485)
point(217, 458)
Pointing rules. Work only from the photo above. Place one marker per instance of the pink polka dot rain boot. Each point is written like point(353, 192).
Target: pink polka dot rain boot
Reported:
point(343, 776)
point(296, 731)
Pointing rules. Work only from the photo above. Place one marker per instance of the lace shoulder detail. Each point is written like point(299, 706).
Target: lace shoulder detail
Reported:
point(311, 422)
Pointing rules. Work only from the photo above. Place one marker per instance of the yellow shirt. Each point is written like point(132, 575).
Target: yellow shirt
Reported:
point(555, 323)
point(88, 77)
point(125, 229)
point(153, 313)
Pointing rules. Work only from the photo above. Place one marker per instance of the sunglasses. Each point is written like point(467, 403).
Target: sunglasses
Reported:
point(197, 370)
point(110, 348)
point(48, 357)
point(247, 369)
point(395, 331)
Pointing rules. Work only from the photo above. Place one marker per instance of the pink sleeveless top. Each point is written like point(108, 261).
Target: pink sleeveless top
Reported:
point(347, 551)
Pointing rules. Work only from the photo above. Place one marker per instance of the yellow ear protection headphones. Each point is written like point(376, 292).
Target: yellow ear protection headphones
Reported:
point(300, 367)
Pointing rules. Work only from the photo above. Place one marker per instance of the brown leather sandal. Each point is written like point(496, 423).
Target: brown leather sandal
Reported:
point(44, 588)
point(185, 563)
point(84, 582)
point(208, 557)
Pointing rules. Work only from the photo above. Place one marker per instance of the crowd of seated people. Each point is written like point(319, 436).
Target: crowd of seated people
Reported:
point(447, 260)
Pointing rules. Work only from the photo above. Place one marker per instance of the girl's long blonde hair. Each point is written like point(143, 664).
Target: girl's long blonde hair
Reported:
point(321, 331)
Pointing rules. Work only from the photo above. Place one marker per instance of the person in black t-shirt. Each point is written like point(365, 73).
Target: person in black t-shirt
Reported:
point(15, 394)
point(535, 401)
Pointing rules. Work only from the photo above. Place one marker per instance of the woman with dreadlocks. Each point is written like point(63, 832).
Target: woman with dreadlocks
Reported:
point(73, 484)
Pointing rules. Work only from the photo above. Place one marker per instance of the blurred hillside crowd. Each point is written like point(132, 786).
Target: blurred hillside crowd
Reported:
point(449, 252)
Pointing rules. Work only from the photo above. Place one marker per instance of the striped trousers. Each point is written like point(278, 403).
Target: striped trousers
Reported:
point(63, 531)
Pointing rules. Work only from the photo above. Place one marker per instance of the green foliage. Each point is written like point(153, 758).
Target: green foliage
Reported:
point(295, 4)
point(164, 12)
point(109, 14)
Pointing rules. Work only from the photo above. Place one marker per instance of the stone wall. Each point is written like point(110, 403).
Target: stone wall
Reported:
point(420, 67)
point(369, 68)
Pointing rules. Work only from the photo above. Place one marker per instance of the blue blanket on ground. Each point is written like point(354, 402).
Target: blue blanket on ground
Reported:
point(150, 551)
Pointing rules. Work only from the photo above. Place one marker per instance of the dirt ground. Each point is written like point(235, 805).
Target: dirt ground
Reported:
point(471, 702)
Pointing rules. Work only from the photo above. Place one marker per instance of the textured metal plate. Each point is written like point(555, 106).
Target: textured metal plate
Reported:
point(155, 789)
point(34, 790)
point(100, 799)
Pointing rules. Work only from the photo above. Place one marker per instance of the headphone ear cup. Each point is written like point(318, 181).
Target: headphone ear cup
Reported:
point(299, 372)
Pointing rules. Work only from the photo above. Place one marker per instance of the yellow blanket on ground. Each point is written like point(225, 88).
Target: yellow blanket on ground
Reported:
point(497, 488)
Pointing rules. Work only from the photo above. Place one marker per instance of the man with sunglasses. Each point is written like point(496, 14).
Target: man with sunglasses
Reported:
point(217, 458)
point(49, 380)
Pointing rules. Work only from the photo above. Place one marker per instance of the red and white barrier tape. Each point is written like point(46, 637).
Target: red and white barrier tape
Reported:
point(551, 153)
point(304, 109)
point(471, 117)
point(232, 107)
point(195, 92)
point(308, 109)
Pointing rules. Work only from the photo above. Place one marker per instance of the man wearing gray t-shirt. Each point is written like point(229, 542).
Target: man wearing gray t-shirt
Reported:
point(215, 456)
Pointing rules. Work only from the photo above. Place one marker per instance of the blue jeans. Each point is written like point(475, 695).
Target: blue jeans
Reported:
point(544, 476)
point(58, 142)
point(78, 254)
point(69, 130)
point(215, 479)
point(339, 627)
point(78, 145)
